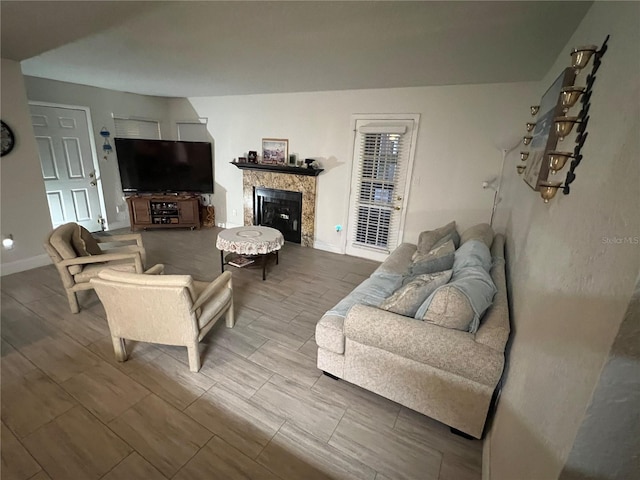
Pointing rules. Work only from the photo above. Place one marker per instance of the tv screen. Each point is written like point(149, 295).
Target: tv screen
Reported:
point(156, 166)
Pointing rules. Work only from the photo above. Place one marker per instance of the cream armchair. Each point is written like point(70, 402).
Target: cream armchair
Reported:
point(165, 309)
point(79, 257)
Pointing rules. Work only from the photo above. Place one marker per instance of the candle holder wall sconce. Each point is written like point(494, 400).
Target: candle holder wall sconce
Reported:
point(554, 123)
point(577, 58)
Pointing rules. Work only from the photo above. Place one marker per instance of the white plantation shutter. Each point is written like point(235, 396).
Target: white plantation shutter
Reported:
point(136, 128)
point(382, 156)
point(192, 131)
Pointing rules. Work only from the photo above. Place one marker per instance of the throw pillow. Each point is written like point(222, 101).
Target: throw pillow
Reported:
point(84, 243)
point(428, 239)
point(449, 308)
point(407, 299)
point(453, 236)
point(438, 259)
point(481, 231)
point(461, 303)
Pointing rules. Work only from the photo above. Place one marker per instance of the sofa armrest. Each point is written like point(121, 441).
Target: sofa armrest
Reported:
point(442, 348)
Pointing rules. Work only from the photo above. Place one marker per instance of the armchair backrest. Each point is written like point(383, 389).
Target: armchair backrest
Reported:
point(59, 246)
point(150, 308)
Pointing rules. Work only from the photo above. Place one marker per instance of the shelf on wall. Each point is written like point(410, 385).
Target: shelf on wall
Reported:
point(310, 172)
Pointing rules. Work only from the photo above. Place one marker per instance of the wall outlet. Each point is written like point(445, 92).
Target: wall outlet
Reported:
point(234, 213)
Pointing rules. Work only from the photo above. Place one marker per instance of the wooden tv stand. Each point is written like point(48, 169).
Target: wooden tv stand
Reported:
point(164, 211)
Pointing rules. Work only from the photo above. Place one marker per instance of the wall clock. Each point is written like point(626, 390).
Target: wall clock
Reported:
point(7, 140)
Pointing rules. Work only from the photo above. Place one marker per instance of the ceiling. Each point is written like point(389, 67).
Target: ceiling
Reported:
point(209, 48)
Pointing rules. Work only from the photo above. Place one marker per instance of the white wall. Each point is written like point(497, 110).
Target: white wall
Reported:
point(25, 213)
point(572, 274)
point(102, 104)
point(462, 130)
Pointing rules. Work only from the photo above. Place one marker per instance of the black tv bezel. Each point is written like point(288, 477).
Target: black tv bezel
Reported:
point(143, 191)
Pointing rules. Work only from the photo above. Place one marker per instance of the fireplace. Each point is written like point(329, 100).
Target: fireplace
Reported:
point(289, 182)
point(279, 209)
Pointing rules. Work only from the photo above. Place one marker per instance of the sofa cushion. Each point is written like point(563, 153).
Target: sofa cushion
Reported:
point(408, 298)
point(398, 262)
point(461, 303)
point(439, 348)
point(440, 258)
point(83, 242)
point(372, 292)
point(428, 239)
point(481, 231)
point(473, 253)
point(494, 329)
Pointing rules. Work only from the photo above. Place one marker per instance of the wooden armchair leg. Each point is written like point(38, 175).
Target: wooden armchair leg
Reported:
point(119, 349)
point(194, 357)
point(73, 301)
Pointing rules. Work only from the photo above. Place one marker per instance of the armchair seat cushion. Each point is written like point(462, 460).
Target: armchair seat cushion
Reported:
point(93, 269)
point(212, 307)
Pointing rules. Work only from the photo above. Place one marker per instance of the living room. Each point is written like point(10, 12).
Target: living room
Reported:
point(572, 273)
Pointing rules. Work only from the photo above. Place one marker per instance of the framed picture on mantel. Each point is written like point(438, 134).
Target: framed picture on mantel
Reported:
point(275, 151)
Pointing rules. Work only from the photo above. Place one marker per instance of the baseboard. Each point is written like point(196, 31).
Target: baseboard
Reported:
point(118, 225)
point(327, 247)
point(228, 225)
point(25, 264)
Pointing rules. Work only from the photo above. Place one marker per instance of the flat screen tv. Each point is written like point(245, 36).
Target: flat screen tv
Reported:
point(158, 166)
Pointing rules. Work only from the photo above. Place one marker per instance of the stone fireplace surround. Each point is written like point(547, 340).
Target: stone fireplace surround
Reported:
point(283, 181)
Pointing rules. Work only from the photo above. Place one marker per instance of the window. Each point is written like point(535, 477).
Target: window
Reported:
point(193, 131)
point(137, 128)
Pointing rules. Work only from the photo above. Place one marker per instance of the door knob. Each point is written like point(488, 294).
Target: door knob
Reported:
point(92, 183)
point(396, 208)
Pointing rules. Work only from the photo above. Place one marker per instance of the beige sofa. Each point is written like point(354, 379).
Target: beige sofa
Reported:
point(449, 375)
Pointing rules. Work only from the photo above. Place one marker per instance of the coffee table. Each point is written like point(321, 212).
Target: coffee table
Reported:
point(251, 241)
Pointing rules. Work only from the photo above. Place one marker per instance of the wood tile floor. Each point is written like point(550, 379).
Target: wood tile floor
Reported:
point(258, 409)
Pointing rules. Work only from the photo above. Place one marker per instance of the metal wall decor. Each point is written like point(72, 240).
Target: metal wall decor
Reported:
point(584, 116)
point(554, 123)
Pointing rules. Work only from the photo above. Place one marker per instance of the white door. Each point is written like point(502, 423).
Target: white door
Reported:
point(68, 166)
point(382, 163)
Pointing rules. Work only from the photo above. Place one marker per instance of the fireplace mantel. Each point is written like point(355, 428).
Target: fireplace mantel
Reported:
point(311, 172)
